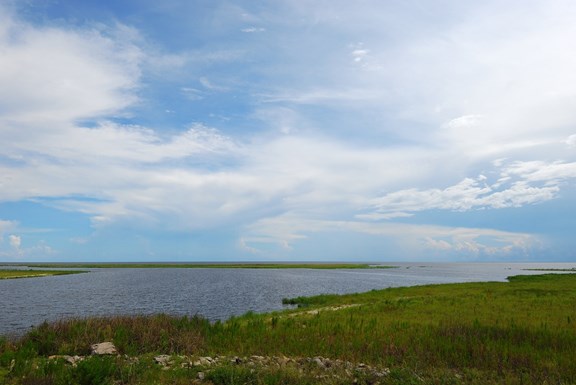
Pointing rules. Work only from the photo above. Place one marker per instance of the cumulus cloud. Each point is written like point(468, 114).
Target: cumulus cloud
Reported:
point(54, 78)
point(359, 52)
point(11, 246)
point(12, 249)
point(571, 141)
point(466, 123)
point(475, 245)
point(520, 183)
point(50, 74)
point(15, 241)
point(464, 242)
point(5, 226)
point(541, 171)
point(238, 183)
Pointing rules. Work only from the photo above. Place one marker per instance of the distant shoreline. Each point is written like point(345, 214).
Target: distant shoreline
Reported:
point(211, 265)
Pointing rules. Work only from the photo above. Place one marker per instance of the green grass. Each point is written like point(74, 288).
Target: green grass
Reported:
point(517, 332)
point(215, 265)
point(11, 274)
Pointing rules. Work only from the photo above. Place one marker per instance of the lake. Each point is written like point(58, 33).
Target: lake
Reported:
point(215, 294)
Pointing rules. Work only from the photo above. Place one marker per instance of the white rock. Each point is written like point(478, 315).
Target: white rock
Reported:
point(162, 359)
point(104, 348)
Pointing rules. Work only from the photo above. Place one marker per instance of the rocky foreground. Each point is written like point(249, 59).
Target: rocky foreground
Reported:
point(318, 367)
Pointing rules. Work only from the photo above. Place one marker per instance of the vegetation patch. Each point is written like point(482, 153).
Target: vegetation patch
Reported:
point(517, 332)
point(13, 274)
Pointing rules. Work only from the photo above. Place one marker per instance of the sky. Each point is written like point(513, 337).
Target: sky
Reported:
point(287, 130)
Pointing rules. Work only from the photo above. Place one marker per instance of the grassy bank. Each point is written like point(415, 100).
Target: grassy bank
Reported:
point(214, 265)
point(517, 332)
point(12, 274)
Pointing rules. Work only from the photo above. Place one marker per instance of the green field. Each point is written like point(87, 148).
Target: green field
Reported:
point(517, 332)
point(11, 274)
point(213, 265)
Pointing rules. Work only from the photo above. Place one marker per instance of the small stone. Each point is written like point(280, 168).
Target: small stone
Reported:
point(162, 359)
point(283, 361)
point(201, 376)
point(186, 365)
point(204, 361)
point(73, 360)
point(103, 348)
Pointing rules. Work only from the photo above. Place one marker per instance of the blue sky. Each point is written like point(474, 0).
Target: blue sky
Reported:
point(285, 130)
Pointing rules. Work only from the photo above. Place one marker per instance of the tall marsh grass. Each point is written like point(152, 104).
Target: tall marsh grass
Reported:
point(132, 335)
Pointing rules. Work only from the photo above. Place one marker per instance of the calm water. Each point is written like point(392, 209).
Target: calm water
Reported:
point(212, 293)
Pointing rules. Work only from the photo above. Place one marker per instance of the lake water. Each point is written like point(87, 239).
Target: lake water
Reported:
point(216, 294)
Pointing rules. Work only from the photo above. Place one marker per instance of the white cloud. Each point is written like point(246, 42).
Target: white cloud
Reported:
point(359, 54)
point(50, 74)
point(15, 250)
point(460, 241)
point(551, 173)
point(253, 29)
point(327, 95)
point(518, 185)
point(192, 93)
point(208, 84)
point(15, 241)
point(310, 175)
point(466, 123)
point(499, 247)
point(6, 226)
point(571, 141)
point(110, 142)
point(480, 78)
point(12, 248)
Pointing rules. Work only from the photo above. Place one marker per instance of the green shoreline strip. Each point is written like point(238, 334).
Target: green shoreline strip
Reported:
point(14, 274)
point(212, 265)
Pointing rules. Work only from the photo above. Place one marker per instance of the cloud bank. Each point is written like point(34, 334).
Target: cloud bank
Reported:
point(354, 125)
